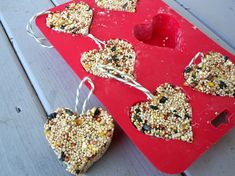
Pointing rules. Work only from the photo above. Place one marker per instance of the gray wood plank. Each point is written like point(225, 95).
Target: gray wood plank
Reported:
point(56, 85)
point(216, 15)
point(219, 160)
point(23, 147)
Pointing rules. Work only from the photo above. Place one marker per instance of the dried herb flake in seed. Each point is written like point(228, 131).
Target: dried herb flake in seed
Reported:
point(186, 116)
point(226, 58)
point(62, 156)
point(177, 115)
point(187, 70)
point(52, 116)
point(77, 171)
point(97, 112)
point(115, 58)
point(137, 110)
point(163, 100)
point(146, 127)
point(154, 107)
point(136, 117)
point(125, 5)
point(222, 85)
point(113, 48)
point(69, 112)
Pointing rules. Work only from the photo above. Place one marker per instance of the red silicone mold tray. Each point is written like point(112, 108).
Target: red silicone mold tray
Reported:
point(158, 61)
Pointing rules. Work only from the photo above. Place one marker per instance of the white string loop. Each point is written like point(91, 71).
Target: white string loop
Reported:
point(196, 57)
point(39, 40)
point(29, 29)
point(96, 40)
point(88, 96)
point(127, 79)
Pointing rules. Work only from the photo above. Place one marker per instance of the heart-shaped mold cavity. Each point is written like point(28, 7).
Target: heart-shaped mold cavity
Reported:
point(163, 31)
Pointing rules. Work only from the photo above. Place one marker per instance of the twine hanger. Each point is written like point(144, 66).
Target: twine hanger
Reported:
point(195, 58)
point(77, 101)
point(29, 29)
point(124, 78)
point(40, 40)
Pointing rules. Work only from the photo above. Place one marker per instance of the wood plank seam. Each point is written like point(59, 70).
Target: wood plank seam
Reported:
point(17, 56)
point(24, 64)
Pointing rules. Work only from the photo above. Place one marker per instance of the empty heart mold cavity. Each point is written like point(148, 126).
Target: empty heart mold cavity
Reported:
point(163, 31)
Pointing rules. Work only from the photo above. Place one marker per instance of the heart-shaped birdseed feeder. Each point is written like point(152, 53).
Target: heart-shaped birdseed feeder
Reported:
point(79, 140)
point(75, 19)
point(167, 115)
point(120, 5)
point(116, 53)
point(214, 75)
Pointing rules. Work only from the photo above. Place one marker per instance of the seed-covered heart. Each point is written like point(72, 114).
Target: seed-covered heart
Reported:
point(79, 140)
point(120, 5)
point(214, 75)
point(168, 115)
point(75, 19)
point(116, 53)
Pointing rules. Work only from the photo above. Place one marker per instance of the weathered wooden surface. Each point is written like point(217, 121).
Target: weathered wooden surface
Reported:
point(55, 85)
point(23, 148)
point(218, 16)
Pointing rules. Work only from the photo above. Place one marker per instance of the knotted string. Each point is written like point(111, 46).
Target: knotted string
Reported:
point(124, 78)
point(86, 79)
point(195, 58)
point(29, 29)
point(96, 40)
point(39, 40)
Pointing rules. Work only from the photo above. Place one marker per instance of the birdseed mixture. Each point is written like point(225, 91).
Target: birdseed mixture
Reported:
point(116, 53)
point(214, 75)
point(79, 140)
point(75, 19)
point(120, 5)
point(167, 116)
